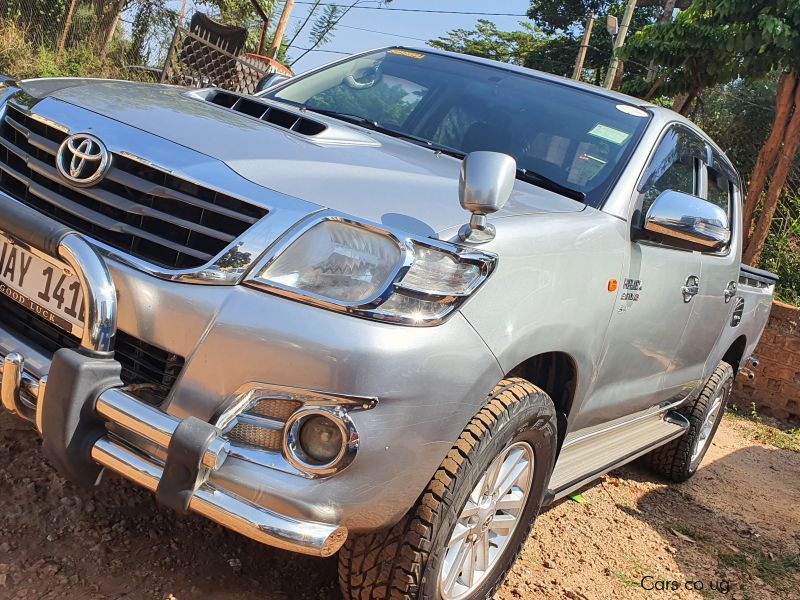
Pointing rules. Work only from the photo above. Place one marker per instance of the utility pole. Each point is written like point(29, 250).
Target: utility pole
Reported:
point(619, 42)
point(587, 33)
point(281, 29)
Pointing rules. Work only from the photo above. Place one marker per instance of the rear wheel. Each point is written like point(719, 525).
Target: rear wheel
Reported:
point(680, 459)
point(467, 528)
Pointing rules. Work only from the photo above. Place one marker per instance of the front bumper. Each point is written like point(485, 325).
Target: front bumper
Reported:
point(232, 336)
point(77, 405)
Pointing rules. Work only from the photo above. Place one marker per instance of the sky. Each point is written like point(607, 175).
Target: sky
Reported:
point(398, 26)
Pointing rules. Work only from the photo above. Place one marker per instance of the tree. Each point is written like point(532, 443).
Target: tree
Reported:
point(569, 14)
point(552, 44)
point(487, 41)
point(718, 41)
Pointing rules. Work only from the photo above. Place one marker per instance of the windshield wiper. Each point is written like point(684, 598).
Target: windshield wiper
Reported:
point(522, 174)
point(548, 184)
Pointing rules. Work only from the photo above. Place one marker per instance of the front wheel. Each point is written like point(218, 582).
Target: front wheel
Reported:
point(469, 525)
point(680, 459)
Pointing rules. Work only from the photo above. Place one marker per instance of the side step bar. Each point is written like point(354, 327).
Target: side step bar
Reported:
point(591, 456)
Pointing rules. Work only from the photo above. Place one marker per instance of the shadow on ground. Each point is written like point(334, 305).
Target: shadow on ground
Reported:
point(736, 517)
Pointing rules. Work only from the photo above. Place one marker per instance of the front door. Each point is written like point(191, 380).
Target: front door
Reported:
point(638, 368)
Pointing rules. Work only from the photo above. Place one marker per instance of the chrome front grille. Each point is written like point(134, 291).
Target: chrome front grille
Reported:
point(137, 209)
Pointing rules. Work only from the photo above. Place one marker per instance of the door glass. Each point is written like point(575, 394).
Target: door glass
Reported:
point(673, 167)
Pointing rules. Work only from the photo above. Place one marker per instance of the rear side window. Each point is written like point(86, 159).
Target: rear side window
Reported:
point(719, 190)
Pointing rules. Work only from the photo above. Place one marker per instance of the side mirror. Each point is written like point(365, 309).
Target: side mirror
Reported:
point(268, 81)
point(484, 186)
point(688, 222)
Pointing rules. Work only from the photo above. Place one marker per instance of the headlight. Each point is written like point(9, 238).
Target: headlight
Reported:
point(338, 261)
point(374, 273)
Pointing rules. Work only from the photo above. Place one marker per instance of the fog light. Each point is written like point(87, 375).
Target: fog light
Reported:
point(320, 439)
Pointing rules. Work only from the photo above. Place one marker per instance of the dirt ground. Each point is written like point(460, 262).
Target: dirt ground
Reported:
point(732, 531)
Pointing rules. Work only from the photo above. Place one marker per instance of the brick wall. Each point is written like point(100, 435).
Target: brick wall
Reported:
point(776, 389)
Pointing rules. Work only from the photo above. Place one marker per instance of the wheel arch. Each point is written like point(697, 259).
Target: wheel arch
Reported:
point(556, 373)
point(734, 355)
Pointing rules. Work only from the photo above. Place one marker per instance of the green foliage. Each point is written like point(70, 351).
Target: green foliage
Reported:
point(552, 44)
point(781, 255)
point(487, 41)
point(738, 116)
point(20, 57)
point(717, 41)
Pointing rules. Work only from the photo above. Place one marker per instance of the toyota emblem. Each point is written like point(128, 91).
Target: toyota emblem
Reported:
point(82, 159)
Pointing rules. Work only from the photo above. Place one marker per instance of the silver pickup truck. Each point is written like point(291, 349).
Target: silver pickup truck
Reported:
point(389, 308)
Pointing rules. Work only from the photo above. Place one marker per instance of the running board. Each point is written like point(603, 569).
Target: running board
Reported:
point(591, 456)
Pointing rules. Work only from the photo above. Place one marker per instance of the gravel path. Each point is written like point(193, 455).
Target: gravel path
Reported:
point(734, 522)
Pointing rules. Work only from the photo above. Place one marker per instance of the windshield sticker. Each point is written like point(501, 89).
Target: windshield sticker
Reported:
point(631, 110)
point(609, 134)
point(416, 55)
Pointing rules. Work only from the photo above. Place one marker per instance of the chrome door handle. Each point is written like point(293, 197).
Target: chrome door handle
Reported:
point(730, 291)
point(691, 288)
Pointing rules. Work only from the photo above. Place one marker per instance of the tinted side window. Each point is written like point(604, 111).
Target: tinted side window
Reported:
point(673, 167)
point(719, 191)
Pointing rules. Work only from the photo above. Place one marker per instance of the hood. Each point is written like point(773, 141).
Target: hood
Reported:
point(350, 169)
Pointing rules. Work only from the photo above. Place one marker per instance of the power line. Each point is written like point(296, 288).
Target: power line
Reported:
point(321, 50)
point(397, 35)
point(417, 10)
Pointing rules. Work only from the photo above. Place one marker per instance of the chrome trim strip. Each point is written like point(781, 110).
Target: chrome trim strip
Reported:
point(646, 415)
point(333, 405)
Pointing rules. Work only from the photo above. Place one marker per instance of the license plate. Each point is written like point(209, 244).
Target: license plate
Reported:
point(44, 286)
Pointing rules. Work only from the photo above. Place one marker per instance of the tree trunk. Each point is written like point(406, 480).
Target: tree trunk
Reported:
point(655, 87)
point(765, 163)
point(791, 142)
point(681, 103)
point(112, 28)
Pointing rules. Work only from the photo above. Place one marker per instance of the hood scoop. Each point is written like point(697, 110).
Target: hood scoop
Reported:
point(263, 111)
point(292, 120)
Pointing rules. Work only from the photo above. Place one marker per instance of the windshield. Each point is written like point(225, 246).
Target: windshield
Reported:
point(575, 138)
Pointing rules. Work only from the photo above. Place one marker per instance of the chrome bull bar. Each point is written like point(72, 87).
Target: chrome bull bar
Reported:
point(28, 397)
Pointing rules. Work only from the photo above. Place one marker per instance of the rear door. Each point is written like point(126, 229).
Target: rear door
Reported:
point(719, 273)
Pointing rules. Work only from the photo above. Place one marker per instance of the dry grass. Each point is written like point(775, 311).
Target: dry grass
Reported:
point(16, 54)
point(765, 431)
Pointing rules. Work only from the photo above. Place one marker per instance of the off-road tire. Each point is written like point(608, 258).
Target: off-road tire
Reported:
point(674, 460)
point(403, 562)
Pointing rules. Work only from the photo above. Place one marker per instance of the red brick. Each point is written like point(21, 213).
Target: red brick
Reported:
point(775, 385)
point(773, 370)
point(792, 344)
point(775, 352)
point(791, 391)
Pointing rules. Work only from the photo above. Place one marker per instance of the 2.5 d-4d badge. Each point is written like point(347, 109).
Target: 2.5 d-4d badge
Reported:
point(82, 159)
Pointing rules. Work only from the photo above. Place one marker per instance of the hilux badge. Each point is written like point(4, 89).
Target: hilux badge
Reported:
point(82, 159)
